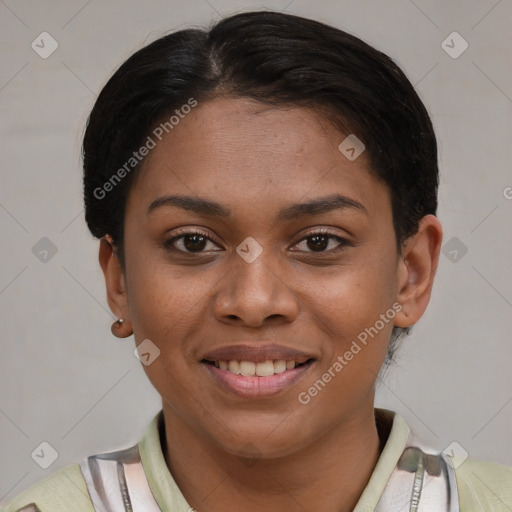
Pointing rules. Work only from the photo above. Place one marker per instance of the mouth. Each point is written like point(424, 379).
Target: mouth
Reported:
point(253, 368)
point(256, 371)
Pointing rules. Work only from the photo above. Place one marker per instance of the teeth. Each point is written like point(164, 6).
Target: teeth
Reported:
point(250, 368)
point(265, 369)
point(280, 366)
point(234, 367)
point(247, 368)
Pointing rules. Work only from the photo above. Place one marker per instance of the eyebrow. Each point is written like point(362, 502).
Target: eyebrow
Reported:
point(295, 211)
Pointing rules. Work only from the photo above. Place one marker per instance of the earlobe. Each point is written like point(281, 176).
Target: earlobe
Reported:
point(416, 270)
point(115, 287)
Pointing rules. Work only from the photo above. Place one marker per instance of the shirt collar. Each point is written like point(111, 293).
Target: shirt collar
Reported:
point(169, 496)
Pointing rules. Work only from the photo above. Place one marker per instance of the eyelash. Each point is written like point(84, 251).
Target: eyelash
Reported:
point(343, 242)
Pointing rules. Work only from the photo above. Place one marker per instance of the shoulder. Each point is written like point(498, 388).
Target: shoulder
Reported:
point(484, 486)
point(63, 490)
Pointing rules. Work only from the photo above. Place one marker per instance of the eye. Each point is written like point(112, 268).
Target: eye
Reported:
point(190, 242)
point(319, 241)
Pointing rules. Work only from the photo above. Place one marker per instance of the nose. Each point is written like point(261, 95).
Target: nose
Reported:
point(255, 295)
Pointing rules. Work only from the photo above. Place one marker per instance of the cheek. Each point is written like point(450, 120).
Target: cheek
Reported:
point(353, 298)
point(162, 310)
point(349, 308)
point(161, 296)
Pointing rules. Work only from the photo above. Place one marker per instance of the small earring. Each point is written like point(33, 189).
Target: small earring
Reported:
point(117, 325)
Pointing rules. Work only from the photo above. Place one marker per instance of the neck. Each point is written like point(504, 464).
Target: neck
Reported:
point(328, 475)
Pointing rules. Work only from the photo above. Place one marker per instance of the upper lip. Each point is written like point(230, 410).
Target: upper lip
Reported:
point(257, 353)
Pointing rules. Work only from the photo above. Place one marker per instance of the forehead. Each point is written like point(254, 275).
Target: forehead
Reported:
point(242, 127)
point(239, 150)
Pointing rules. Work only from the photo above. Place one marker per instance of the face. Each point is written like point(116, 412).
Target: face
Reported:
point(253, 244)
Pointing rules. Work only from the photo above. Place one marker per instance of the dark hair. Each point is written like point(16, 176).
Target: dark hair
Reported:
point(277, 59)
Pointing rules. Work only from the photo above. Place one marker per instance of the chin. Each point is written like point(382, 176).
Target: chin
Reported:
point(263, 438)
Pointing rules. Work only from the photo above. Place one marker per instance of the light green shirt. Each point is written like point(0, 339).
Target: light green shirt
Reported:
point(482, 486)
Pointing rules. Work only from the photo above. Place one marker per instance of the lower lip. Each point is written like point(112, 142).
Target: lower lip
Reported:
point(254, 386)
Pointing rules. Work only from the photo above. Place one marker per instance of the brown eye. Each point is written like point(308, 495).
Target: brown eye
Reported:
point(194, 242)
point(318, 242)
point(189, 242)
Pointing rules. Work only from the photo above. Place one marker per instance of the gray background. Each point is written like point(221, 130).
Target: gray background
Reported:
point(66, 380)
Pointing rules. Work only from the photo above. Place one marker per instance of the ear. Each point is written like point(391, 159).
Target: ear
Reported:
point(416, 270)
point(115, 285)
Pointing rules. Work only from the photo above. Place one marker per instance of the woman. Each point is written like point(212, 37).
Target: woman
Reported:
point(265, 196)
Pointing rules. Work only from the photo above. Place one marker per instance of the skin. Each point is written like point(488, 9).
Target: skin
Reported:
point(255, 161)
